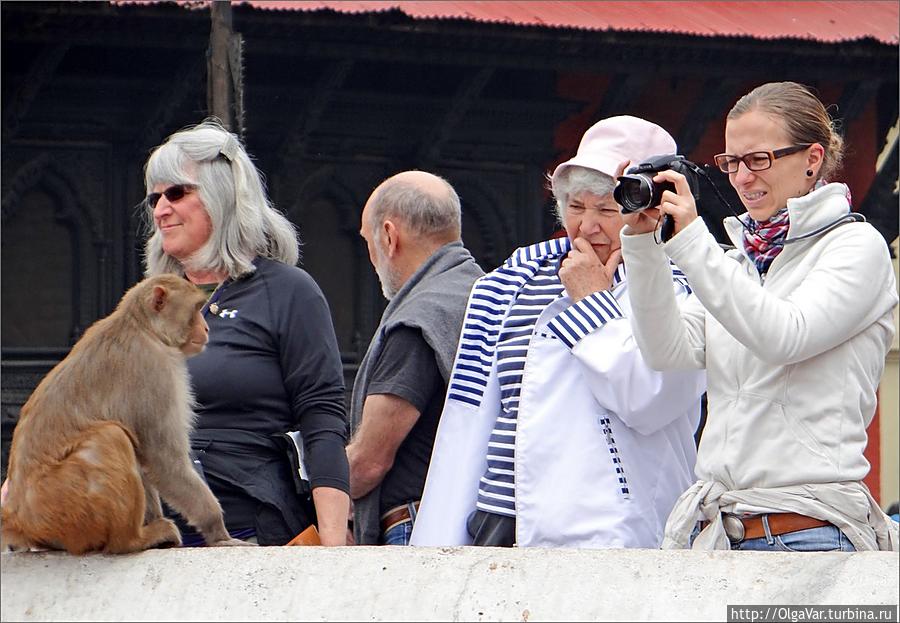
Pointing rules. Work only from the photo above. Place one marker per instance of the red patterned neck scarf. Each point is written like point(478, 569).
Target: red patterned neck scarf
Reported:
point(767, 239)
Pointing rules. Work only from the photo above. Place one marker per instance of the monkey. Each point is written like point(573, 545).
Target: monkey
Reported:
point(106, 433)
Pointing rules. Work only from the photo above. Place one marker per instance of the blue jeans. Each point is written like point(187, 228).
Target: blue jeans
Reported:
point(821, 539)
point(399, 534)
point(400, 530)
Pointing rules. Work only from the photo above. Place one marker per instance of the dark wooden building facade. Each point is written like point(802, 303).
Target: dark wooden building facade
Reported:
point(334, 102)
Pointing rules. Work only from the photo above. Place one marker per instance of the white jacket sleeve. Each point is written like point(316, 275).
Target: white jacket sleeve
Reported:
point(669, 336)
point(830, 305)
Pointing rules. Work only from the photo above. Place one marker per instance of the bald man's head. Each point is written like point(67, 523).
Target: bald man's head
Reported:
point(428, 182)
point(423, 202)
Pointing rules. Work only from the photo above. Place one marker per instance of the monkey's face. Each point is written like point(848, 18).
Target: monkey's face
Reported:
point(173, 307)
point(198, 335)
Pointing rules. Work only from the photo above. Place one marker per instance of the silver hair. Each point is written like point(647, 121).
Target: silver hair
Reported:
point(245, 224)
point(576, 179)
point(424, 213)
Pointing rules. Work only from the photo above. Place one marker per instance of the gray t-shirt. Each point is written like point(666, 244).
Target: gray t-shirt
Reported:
point(407, 368)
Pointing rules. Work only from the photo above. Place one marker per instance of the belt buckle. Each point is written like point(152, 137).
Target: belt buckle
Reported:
point(734, 527)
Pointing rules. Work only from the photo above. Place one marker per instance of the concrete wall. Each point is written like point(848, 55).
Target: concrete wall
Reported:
point(431, 584)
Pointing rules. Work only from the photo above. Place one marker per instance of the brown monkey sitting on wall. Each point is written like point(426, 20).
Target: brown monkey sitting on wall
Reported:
point(106, 433)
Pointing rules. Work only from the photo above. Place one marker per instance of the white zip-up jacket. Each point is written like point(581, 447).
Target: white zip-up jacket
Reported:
point(793, 364)
point(587, 397)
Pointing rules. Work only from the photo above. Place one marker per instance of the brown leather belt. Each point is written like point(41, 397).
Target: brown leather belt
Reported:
point(742, 529)
point(396, 515)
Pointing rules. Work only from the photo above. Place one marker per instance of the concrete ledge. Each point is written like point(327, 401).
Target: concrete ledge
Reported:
point(431, 584)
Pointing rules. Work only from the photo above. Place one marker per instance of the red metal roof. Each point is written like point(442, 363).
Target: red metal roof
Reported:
point(824, 21)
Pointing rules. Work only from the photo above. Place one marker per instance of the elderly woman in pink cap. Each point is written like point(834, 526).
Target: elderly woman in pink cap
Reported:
point(555, 432)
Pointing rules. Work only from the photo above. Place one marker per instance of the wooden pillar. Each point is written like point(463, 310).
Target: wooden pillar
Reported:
point(219, 94)
point(873, 455)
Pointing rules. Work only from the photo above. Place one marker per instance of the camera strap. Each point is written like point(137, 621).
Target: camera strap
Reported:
point(852, 217)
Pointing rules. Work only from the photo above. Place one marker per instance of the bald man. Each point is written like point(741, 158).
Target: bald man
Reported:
point(411, 225)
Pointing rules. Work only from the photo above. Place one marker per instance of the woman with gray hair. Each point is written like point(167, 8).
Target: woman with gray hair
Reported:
point(555, 433)
point(272, 364)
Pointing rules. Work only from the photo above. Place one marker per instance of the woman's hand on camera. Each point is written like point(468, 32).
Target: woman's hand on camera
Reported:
point(679, 205)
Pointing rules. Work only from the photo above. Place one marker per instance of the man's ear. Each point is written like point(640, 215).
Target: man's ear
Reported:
point(391, 234)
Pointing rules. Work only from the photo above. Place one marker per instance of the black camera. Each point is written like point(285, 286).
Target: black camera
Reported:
point(636, 189)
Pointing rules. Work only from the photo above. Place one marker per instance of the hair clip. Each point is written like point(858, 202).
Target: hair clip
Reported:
point(230, 148)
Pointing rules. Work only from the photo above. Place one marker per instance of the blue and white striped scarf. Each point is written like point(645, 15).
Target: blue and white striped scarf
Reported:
point(489, 303)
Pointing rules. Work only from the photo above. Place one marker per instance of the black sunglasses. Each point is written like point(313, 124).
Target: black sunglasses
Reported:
point(172, 194)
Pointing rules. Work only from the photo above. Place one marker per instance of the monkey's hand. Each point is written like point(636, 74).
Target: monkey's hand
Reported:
point(231, 543)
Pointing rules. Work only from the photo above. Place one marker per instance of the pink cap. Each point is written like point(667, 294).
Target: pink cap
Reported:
point(609, 142)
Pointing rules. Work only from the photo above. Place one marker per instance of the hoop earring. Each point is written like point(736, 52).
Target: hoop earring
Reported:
point(809, 173)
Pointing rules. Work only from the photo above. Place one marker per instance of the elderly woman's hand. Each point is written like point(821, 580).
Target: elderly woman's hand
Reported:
point(582, 273)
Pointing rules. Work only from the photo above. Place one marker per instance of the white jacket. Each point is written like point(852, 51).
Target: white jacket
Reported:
point(567, 489)
point(793, 362)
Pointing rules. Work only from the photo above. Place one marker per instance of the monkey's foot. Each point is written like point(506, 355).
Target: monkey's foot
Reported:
point(162, 533)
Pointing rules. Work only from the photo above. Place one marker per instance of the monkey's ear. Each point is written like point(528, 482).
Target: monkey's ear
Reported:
point(160, 296)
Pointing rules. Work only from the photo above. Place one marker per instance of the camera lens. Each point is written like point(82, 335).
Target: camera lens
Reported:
point(634, 193)
point(638, 192)
point(637, 195)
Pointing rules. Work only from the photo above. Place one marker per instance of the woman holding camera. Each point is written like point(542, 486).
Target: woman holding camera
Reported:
point(792, 327)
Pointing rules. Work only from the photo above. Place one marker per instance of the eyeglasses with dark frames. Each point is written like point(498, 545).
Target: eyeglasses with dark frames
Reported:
point(172, 194)
point(755, 160)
